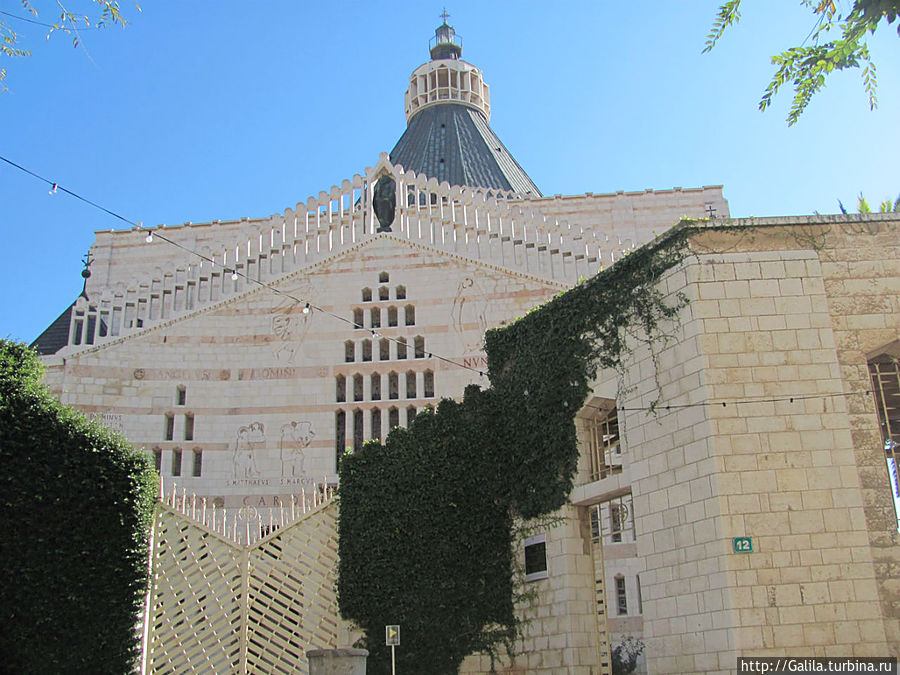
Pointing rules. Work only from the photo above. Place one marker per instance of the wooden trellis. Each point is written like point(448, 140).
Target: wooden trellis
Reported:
point(235, 592)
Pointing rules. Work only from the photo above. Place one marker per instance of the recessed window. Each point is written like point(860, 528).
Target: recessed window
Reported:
point(375, 382)
point(376, 424)
point(349, 350)
point(188, 427)
point(170, 428)
point(357, 430)
point(392, 316)
point(536, 557)
point(340, 436)
point(384, 293)
point(180, 395)
point(357, 387)
point(157, 459)
point(393, 418)
point(621, 595)
point(367, 295)
point(401, 348)
point(198, 463)
point(400, 293)
point(410, 415)
point(393, 386)
point(428, 384)
point(384, 349)
point(410, 315)
point(383, 278)
point(419, 344)
point(366, 350)
point(176, 462)
point(375, 317)
point(410, 384)
point(340, 388)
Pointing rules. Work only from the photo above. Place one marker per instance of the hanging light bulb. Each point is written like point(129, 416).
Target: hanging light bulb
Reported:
point(149, 238)
point(234, 275)
point(53, 189)
point(306, 309)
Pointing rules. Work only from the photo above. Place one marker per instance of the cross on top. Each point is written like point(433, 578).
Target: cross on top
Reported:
point(444, 15)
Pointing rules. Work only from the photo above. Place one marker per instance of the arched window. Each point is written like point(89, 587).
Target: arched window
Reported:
point(367, 350)
point(349, 351)
point(367, 295)
point(393, 386)
point(375, 386)
point(197, 469)
point(428, 384)
point(375, 317)
point(392, 316)
point(419, 344)
point(376, 424)
point(410, 313)
point(357, 430)
point(410, 384)
point(340, 389)
point(340, 436)
point(393, 418)
point(401, 348)
point(400, 293)
point(410, 415)
point(176, 462)
point(383, 278)
point(358, 318)
point(384, 293)
point(357, 387)
point(384, 349)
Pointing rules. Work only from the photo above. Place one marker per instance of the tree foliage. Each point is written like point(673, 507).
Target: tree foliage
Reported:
point(75, 509)
point(427, 518)
point(64, 21)
point(862, 205)
point(806, 67)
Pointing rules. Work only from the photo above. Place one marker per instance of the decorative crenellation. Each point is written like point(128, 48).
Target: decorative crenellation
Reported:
point(245, 525)
point(491, 226)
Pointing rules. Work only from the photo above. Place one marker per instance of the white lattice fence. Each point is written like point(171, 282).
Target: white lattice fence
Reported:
point(219, 606)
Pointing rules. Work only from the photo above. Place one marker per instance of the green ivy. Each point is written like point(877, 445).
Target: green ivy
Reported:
point(76, 506)
point(426, 519)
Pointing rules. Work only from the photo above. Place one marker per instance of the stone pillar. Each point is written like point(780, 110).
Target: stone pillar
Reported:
point(346, 661)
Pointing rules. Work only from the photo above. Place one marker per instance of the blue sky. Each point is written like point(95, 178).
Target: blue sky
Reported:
point(218, 110)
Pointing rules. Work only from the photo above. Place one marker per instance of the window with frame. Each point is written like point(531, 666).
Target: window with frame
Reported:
point(536, 557)
point(885, 372)
point(621, 595)
point(613, 520)
point(602, 442)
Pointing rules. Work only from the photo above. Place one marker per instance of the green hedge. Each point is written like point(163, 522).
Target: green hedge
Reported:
point(77, 504)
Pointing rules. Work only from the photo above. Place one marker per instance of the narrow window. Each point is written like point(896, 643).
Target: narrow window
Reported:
point(340, 436)
point(429, 384)
point(357, 430)
point(383, 278)
point(409, 313)
point(392, 316)
point(393, 418)
point(198, 463)
point(358, 318)
point(340, 388)
point(401, 348)
point(410, 415)
point(384, 349)
point(384, 293)
point(170, 428)
point(400, 293)
point(637, 580)
point(536, 557)
point(419, 343)
point(188, 427)
point(615, 520)
point(621, 595)
point(376, 424)
point(180, 395)
point(357, 387)
point(367, 295)
point(176, 462)
point(367, 350)
point(375, 382)
point(410, 384)
point(157, 459)
point(375, 317)
point(393, 386)
point(349, 351)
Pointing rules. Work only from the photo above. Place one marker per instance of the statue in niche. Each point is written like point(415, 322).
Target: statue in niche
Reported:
point(295, 438)
point(469, 314)
point(249, 439)
point(384, 201)
point(291, 321)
